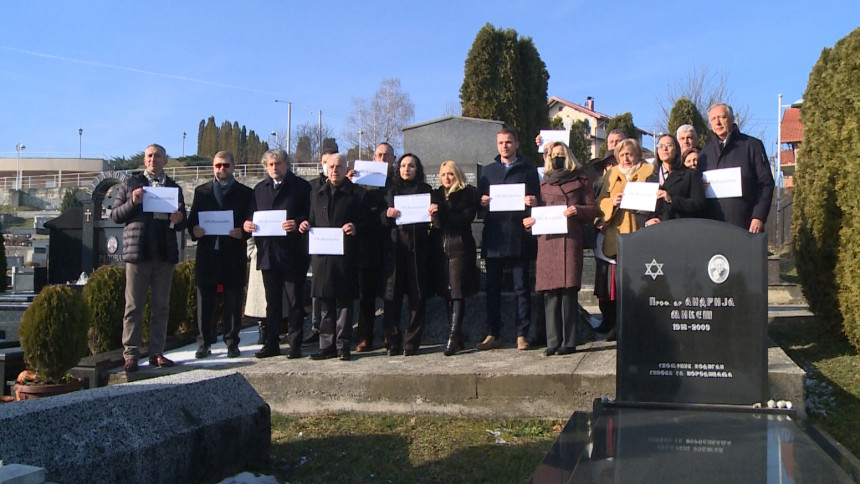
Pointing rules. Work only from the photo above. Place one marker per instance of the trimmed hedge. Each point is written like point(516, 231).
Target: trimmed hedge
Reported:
point(105, 296)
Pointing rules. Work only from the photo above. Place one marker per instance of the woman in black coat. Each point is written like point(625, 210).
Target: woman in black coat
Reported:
point(454, 207)
point(681, 192)
point(405, 263)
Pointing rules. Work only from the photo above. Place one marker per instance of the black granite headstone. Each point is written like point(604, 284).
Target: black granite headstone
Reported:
point(692, 314)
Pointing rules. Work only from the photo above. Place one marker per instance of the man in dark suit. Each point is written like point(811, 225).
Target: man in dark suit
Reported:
point(505, 242)
point(336, 203)
point(282, 259)
point(221, 259)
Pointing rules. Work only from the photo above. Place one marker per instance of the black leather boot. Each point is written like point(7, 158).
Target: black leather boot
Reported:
point(455, 316)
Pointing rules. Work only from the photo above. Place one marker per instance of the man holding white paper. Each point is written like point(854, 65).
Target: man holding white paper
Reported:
point(282, 259)
point(729, 148)
point(221, 249)
point(336, 204)
point(504, 241)
point(150, 250)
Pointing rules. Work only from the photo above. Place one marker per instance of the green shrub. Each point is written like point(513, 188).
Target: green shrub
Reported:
point(826, 202)
point(183, 300)
point(53, 332)
point(105, 297)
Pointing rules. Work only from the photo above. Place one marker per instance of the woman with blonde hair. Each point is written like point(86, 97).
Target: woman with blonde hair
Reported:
point(613, 220)
point(455, 205)
point(559, 256)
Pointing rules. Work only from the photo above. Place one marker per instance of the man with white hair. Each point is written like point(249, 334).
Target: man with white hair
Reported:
point(687, 137)
point(729, 148)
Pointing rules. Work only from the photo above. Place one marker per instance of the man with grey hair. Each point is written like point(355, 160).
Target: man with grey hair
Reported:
point(283, 259)
point(687, 137)
point(150, 250)
point(729, 148)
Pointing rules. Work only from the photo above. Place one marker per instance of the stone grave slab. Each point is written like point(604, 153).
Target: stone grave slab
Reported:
point(692, 314)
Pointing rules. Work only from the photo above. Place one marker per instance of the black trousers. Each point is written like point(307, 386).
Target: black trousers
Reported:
point(520, 272)
point(207, 314)
point(277, 283)
point(335, 324)
point(368, 283)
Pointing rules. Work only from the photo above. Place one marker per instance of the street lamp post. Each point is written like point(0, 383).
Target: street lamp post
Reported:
point(275, 134)
point(289, 115)
point(80, 141)
point(18, 149)
point(183, 144)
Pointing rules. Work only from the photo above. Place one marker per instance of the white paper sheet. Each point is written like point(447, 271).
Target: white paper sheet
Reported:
point(508, 197)
point(216, 222)
point(549, 220)
point(723, 183)
point(160, 199)
point(413, 208)
point(325, 241)
point(370, 173)
point(553, 135)
point(640, 196)
point(269, 222)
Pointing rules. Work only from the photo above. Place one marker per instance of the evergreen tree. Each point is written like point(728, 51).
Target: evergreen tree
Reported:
point(578, 142)
point(624, 122)
point(225, 134)
point(304, 152)
point(70, 199)
point(556, 123)
point(200, 129)
point(826, 219)
point(208, 143)
point(505, 79)
point(685, 112)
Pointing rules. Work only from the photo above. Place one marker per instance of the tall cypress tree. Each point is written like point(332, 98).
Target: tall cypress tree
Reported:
point(578, 140)
point(505, 79)
point(209, 143)
point(685, 112)
point(624, 122)
point(200, 129)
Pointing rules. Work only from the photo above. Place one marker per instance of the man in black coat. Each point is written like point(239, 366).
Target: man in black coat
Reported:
point(221, 259)
point(150, 250)
point(729, 148)
point(504, 240)
point(337, 203)
point(282, 259)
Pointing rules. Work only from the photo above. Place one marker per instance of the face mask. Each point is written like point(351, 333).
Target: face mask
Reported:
point(558, 162)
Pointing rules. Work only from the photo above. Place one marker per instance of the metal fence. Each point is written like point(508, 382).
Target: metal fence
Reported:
point(183, 173)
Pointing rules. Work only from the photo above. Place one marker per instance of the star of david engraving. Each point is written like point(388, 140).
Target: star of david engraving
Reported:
point(649, 269)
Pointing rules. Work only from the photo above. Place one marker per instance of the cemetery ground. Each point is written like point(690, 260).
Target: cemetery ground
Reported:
point(353, 447)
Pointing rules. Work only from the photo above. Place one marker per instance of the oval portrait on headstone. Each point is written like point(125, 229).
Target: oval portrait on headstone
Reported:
point(112, 244)
point(718, 269)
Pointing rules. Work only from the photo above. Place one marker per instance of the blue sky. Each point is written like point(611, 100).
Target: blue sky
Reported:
point(134, 73)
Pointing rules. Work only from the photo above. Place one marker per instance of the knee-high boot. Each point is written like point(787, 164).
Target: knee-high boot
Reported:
point(455, 316)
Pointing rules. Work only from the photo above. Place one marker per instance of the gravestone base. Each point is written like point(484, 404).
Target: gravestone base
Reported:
point(197, 426)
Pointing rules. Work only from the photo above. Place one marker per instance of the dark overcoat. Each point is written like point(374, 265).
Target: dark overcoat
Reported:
point(559, 256)
point(504, 234)
point(336, 276)
point(290, 253)
point(454, 251)
point(685, 189)
point(414, 240)
point(138, 223)
point(748, 154)
point(226, 265)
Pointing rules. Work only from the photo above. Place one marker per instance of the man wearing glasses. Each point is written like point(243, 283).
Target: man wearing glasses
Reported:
point(221, 257)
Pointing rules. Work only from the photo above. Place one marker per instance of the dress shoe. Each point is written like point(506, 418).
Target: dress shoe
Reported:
point(130, 366)
point(159, 361)
point(364, 346)
point(489, 343)
point(294, 354)
point(565, 350)
point(410, 351)
point(344, 355)
point(202, 352)
point(522, 343)
point(324, 354)
point(550, 351)
point(395, 351)
point(268, 352)
point(312, 338)
point(233, 351)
